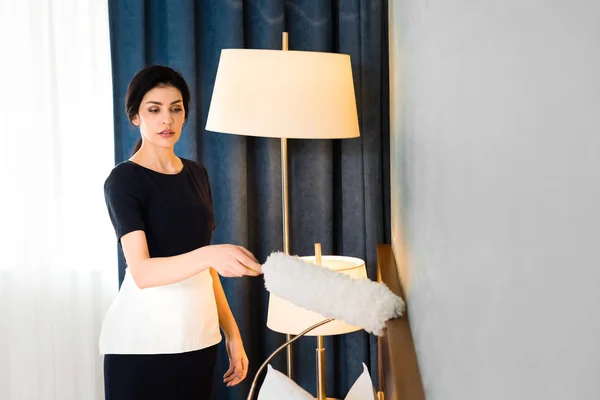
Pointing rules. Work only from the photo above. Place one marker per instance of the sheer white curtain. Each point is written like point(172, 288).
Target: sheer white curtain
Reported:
point(57, 248)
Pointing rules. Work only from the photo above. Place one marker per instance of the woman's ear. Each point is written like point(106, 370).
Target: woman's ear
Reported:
point(136, 120)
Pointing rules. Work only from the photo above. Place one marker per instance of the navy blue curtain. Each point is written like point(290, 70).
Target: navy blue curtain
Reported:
point(339, 189)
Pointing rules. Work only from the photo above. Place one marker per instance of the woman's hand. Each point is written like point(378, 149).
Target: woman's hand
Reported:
point(238, 362)
point(230, 260)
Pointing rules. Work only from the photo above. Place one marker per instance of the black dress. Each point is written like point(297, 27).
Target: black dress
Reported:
point(176, 214)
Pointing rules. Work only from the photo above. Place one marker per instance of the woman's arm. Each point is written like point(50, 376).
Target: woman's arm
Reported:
point(238, 361)
point(226, 319)
point(227, 260)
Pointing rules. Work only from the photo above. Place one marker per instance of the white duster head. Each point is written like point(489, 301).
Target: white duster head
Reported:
point(359, 302)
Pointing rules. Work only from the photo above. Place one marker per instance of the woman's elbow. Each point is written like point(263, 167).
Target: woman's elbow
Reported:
point(139, 279)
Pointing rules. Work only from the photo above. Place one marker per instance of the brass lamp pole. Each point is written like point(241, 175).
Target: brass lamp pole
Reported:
point(286, 214)
point(321, 376)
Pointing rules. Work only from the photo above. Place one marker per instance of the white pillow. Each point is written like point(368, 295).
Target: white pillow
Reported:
point(277, 386)
point(362, 388)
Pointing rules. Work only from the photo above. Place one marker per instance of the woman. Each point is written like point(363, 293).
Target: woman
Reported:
point(160, 335)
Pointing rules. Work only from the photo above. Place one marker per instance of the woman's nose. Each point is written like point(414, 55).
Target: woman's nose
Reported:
point(168, 119)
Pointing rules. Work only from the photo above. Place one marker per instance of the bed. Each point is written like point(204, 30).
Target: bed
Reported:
point(399, 376)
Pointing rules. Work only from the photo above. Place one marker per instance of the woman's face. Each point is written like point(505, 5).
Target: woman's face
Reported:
point(161, 116)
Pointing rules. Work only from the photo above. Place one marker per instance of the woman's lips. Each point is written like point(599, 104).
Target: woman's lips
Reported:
point(166, 133)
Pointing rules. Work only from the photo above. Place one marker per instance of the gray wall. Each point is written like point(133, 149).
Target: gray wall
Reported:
point(496, 194)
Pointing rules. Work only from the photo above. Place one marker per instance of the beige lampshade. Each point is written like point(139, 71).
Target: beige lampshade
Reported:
point(285, 317)
point(284, 94)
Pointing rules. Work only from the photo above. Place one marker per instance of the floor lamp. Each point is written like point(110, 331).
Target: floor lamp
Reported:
point(284, 94)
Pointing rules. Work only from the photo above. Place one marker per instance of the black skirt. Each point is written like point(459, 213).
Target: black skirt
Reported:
point(179, 376)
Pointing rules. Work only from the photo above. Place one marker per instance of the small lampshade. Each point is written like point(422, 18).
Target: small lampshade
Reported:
point(284, 94)
point(285, 317)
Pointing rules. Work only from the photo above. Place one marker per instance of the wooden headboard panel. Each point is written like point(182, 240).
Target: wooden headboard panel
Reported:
point(399, 375)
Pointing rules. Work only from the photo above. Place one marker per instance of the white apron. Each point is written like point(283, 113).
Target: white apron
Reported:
point(166, 319)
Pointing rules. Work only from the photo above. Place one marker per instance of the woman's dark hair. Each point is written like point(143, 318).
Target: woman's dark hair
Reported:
point(148, 79)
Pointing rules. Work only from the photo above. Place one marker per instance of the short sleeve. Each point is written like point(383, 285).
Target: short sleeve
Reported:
point(124, 203)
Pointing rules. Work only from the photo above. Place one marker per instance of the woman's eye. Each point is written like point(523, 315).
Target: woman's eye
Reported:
point(177, 110)
point(153, 110)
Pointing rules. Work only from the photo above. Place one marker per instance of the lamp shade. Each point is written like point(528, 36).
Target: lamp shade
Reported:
point(284, 94)
point(285, 317)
